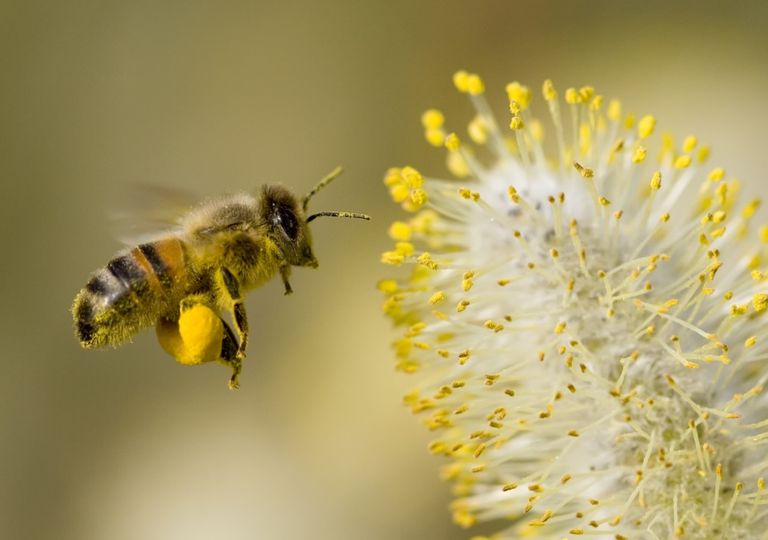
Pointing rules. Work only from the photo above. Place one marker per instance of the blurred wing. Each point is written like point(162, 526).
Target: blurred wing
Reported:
point(148, 211)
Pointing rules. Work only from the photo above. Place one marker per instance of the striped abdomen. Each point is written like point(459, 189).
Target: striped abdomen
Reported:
point(130, 293)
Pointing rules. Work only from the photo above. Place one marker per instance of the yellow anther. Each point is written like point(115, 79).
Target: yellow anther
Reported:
point(750, 341)
point(478, 130)
point(435, 137)
point(514, 196)
point(425, 259)
point(638, 156)
point(645, 126)
point(387, 286)
point(751, 207)
point(656, 181)
point(614, 110)
point(689, 143)
point(418, 198)
point(583, 171)
point(719, 216)
point(401, 231)
point(514, 107)
point(596, 103)
point(465, 193)
point(763, 234)
point(432, 119)
point(503, 282)
point(629, 120)
point(703, 154)
point(399, 192)
point(462, 305)
point(715, 175)
point(519, 93)
point(436, 298)
point(491, 325)
point(573, 433)
point(457, 165)
point(665, 217)
point(572, 97)
point(586, 93)
point(516, 123)
point(682, 162)
point(452, 142)
point(560, 327)
point(537, 130)
point(760, 302)
point(466, 284)
point(393, 258)
point(411, 177)
point(603, 201)
point(479, 450)
point(461, 81)
point(475, 85)
point(548, 90)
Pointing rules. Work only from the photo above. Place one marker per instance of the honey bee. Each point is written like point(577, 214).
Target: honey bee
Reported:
point(186, 281)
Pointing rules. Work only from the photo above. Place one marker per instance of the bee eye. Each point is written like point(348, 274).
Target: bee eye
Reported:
point(287, 221)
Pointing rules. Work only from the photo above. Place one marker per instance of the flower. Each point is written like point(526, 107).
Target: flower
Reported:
point(584, 317)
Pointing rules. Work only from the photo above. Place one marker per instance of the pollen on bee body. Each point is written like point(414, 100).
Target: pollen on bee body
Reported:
point(577, 272)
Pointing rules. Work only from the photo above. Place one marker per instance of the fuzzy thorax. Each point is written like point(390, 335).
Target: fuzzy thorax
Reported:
point(584, 317)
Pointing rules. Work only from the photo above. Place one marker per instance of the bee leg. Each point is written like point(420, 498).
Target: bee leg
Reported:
point(232, 289)
point(285, 273)
point(229, 356)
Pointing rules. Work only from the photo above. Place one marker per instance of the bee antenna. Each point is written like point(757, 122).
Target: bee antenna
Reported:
point(354, 215)
point(330, 177)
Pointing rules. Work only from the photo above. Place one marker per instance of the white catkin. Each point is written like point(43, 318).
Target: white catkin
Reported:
point(583, 318)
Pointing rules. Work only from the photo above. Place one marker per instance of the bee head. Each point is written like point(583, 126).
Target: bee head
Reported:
point(286, 218)
point(287, 225)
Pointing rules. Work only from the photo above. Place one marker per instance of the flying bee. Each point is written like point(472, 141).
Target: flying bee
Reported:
point(186, 281)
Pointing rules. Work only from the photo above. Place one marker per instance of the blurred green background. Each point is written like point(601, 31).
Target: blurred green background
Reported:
point(222, 96)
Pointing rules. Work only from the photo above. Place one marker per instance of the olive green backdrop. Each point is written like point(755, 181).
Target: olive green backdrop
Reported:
point(223, 96)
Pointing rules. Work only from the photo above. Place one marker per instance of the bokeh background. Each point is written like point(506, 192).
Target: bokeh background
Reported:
point(97, 96)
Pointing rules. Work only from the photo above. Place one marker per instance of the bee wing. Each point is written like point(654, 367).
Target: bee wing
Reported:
point(148, 211)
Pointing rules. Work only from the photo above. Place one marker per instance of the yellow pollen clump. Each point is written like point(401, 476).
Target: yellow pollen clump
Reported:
point(638, 156)
point(760, 302)
point(400, 231)
point(572, 97)
point(715, 175)
point(452, 142)
point(682, 162)
point(437, 298)
point(689, 143)
point(583, 171)
point(520, 94)
point(614, 110)
point(656, 181)
point(516, 123)
point(475, 85)
point(432, 119)
point(435, 137)
point(548, 90)
point(461, 81)
point(478, 130)
point(646, 126)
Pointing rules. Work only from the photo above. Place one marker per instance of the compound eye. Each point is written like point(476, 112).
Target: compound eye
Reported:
point(288, 222)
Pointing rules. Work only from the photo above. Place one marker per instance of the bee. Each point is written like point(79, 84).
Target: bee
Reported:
point(185, 282)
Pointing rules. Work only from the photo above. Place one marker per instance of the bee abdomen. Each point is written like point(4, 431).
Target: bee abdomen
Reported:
point(127, 293)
